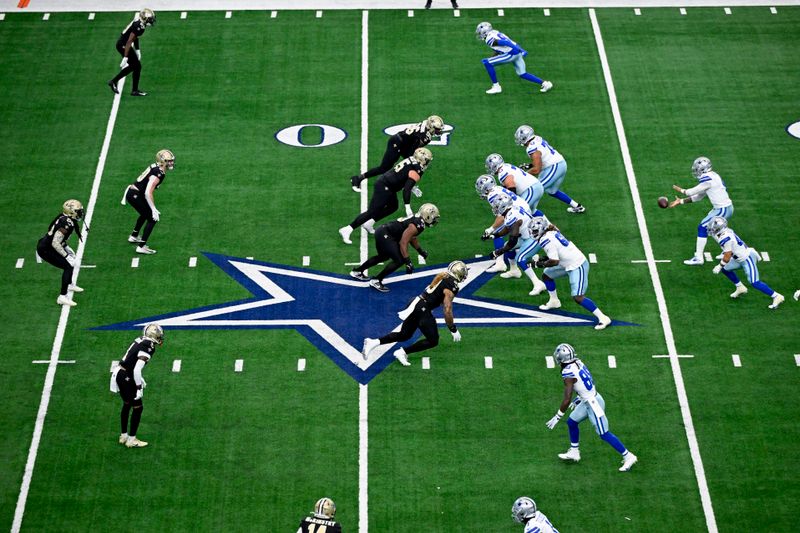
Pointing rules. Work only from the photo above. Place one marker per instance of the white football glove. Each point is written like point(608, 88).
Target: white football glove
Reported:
point(456, 336)
point(144, 384)
point(123, 63)
point(138, 54)
point(71, 260)
point(156, 214)
point(575, 403)
point(139, 393)
point(717, 269)
point(69, 250)
point(417, 191)
point(409, 212)
point(553, 421)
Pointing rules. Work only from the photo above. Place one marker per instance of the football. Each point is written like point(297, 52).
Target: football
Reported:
point(663, 202)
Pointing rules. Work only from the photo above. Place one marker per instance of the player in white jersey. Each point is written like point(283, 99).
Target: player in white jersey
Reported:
point(516, 180)
point(563, 259)
point(546, 163)
point(710, 185)
point(588, 403)
point(505, 51)
point(525, 512)
point(736, 254)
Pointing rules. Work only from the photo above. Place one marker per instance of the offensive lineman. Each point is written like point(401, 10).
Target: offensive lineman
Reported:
point(516, 180)
point(128, 381)
point(710, 185)
point(419, 315)
point(736, 254)
point(53, 248)
point(525, 512)
point(505, 51)
point(321, 520)
point(140, 195)
point(588, 404)
point(128, 47)
point(402, 145)
point(403, 177)
point(548, 164)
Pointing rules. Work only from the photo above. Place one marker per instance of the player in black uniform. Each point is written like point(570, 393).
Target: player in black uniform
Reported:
point(419, 315)
point(322, 519)
point(128, 381)
point(392, 240)
point(403, 177)
point(54, 249)
point(402, 145)
point(140, 195)
point(128, 47)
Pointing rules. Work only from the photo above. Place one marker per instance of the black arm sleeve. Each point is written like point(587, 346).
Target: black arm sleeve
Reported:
point(509, 245)
point(407, 190)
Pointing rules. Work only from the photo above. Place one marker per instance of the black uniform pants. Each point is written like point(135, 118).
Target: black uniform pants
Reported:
point(420, 318)
point(47, 253)
point(139, 202)
point(390, 157)
point(127, 391)
point(388, 248)
point(134, 65)
point(382, 204)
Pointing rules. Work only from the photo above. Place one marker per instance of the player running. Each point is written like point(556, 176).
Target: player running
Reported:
point(505, 51)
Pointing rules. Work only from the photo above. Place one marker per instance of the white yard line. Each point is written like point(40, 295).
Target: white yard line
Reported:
point(683, 400)
point(363, 396)
point(62, 323)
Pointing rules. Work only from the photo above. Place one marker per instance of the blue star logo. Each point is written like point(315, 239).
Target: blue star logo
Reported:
point(335, 312)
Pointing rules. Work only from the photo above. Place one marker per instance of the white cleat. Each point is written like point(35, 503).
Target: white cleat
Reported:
point(369, 225)
point(498, 266)
point(694, 261)
point(123, 438)
point(133, 442)
point(513, 272)
point(577, 209)
point(495, 89)
point(345, 233)
point(538, 288)
point(144, 249)
point(603, 323)
point(134, 240)
point(627, 462)
point(369, 345)
point(546, 86)
point(74, 288)
point(63, 300)
point(777, 299)
point(552, 303)
point(573, 454)
point(400, 355)
point(740, 289)
point(796, 295)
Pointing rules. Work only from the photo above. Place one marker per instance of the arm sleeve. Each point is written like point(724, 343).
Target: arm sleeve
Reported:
point(699, 189)
point(58, 243)
point(137, 372)
point(407, 190)
point(504, 42)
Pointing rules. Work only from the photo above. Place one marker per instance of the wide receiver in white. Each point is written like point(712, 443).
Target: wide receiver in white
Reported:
point(524, 511)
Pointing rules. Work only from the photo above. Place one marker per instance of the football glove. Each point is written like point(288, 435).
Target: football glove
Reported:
point(409, 266)
point(540, 263)
point(409, 212)
point(144, 384)
point(717, 269)
point(123, 63)
point(138, 54)
point(553, 421)
point(487, 236)
point(139, 394)
point(70, 259)
point(575, 403)
point(423, 253)
point(496, 253)
point(526, 166)
point(416, 191)
point(456, 336)
point(156, 215)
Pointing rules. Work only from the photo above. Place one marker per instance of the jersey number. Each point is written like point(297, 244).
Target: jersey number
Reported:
point(586, 377)
point(563, 240)
point(312, 528)
point(545, 145)
point(399, 166)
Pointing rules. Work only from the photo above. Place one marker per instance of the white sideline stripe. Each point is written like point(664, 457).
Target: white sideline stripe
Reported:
point(637, 11)
point(612, 361)
point(501, 13)
point(273, 15)
point(546, 12)
point(228, 14)
point(183, 14)
point(319, 14)
point(727, 11)
point(301, 365)
point(135, 262)
point(306, 260)
point(683, 400)
point(46, 16)
point(797, 359)
point(456, 12)
point(687, 356)
point(363, 391)
point(551, 363)
point(773, 11)
point(683, 11)
point(707, 256)
point(47, 361)
point(592, 258)
point(192, 262)
point(654, 261)
point(487, 362)
point(91, 16)
point(20, 262)
point(62, 323)
point(238, 365)
point(764, 256)
point(737, 361)
point(176, 365)
point(426, 363)
point(410, 12)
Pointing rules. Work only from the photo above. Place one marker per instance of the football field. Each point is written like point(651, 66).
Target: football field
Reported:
point(258, 402)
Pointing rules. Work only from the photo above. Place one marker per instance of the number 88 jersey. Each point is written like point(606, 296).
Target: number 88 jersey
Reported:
point(584, 386)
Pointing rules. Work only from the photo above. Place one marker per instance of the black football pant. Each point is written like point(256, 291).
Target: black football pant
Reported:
point(134, 65)
point(422, 319)
point(390, 157)
point(382, 204)
point(138, 202)
point(127, 391)
point(47, 253)
point(388, 248)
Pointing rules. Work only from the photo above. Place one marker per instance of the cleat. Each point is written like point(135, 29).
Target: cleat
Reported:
point(74, 288)
point(552, 303)
point(355, 182)
point(573, 454)
point(369, 345)
point(144, 249)
point(63, 300)
point(495, 89)
point(796, 295)
point(498, 266)
point(777, 299)
point(133, 442)
point(378, 285)
point(138, 93)
point(113, 86)
point(694, 261)
point(603, 323)
point(345, 233)
point(577, 209)
point(401, 356)
point(369, 225)
point(123, 438)
point(135, 240)
point(740, 289)
point(627, 462)
point(513, 272)
point(538, 288)
point(546, 86)
point(357, 274)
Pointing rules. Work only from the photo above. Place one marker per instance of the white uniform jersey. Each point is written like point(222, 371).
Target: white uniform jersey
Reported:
point(730, 242)
point(518, 202)
point(519, 213)
point(494, 36)
point(539, 524)
point(711, 185)
point(556, 246)
point(550, 156)
point(522, 180)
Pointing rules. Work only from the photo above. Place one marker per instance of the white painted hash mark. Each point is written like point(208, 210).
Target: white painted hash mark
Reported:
point(301, 365)
point(551, 363)
point(410, 12)
point(487, 362)
point(228, 14)
point(2, 16)
point(592, 258)
point(764, 256)
point(192, 262)
point(91, 16)
point(273, 15)
point(176, 365)
point(426, 363)
point(135, 262)
point(612, 361)
point(727, 11)
point(183, 14)
point(797, 359)
point(501, 13)
point(773, 11)
point(707, 256)
point(319, 14)
point(306, 260)
point(683, 11)
point(238, 366)
point(637, 11)
point(456, 12)
point(737, 361)
point(46, 16)
point(20, 262)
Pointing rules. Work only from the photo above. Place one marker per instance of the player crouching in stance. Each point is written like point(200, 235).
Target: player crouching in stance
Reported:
point(505, 51)
point(563, 259)
point(321, 519)
point(419, 315)
point(140, 195)
point(524, 511)
point(588, 404)
point(736, 254)
point(53, 248)
point(127, 380)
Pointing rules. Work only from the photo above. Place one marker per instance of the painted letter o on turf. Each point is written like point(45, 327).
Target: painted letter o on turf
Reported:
point(794, 129)
point(328, 135)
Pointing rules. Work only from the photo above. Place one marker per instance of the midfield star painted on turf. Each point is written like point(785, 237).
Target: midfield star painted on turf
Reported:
point(335, 312)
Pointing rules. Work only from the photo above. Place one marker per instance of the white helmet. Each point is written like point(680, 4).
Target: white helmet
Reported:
point(501, 203)
point(325, 508)
point(700, 166)
point(493, 163)
point(482, 30)
point(717, 225)
point(523, 509)
point(564, 353)
point(538, 226)
point(423, 157)
point(484, 184)
point(523, 135)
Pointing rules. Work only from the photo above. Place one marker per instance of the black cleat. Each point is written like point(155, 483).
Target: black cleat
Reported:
point(113, 86)
point(355, 181)
point(428, 4)
point(378, 285)
point(359, 275)
point(455, 4)
point(138, 93)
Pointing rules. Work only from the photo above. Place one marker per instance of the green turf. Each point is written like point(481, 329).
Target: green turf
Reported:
point(450, 447)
